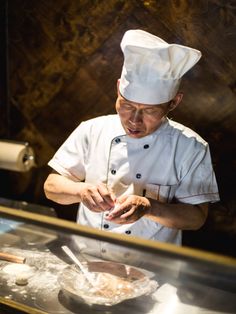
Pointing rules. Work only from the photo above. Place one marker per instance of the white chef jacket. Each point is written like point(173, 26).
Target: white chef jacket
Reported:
point(173, 163)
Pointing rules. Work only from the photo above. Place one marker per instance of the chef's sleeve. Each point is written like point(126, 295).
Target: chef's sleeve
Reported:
point(70, 158)
point(198, 183)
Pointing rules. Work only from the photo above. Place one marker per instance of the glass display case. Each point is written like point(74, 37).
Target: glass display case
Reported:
point(114, 273)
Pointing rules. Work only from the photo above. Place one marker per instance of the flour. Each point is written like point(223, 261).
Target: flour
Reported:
point(16, 269)
point(41, 268)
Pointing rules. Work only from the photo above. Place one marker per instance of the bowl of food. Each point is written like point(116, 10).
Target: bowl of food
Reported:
point(112, 283)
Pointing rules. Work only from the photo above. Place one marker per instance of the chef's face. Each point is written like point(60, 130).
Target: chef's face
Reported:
point(140, 120)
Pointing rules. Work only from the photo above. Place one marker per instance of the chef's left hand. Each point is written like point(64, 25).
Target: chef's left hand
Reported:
point(128, 209)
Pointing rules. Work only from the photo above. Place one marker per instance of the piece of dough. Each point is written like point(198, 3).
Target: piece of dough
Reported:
point(21, 279)
point(111, 286)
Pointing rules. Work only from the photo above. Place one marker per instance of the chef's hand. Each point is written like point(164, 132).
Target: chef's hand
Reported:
point(128, 209)
point(97, 198)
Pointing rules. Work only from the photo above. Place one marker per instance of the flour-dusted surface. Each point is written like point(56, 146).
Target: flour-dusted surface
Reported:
point(16, 269)
point(41, 270)
point(43, 290)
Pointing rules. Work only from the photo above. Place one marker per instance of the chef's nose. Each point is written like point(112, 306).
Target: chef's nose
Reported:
point(137, 115)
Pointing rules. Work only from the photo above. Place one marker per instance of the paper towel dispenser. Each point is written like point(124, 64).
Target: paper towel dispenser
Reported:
point(16, 156)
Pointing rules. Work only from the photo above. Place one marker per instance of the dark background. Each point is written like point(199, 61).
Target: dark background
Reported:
point(59, 62)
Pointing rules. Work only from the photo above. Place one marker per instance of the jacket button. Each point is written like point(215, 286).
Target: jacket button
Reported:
point(138, 175)
point(113, 171)
point(128, 232)
point(146, 146)
point(117, 140)
point(103, 250)
point(106, 226)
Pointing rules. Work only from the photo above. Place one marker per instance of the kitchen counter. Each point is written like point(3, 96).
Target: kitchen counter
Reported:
point(185, 290)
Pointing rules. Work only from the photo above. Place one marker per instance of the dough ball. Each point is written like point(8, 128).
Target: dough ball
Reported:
point(21, 279)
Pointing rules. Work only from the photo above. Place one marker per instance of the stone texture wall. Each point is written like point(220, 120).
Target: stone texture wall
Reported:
point(63, 60)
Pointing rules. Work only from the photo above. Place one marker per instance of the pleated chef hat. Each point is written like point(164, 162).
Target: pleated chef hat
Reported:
point(152, 68)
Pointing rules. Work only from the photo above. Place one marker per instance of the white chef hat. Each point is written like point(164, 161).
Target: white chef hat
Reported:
point(152, 68)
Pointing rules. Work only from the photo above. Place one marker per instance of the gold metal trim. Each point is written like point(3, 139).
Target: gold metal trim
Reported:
point(13, 305)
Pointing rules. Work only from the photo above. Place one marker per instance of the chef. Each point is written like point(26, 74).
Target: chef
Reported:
point(138, 172)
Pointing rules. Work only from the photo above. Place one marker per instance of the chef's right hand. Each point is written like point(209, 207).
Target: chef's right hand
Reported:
point(97, 198)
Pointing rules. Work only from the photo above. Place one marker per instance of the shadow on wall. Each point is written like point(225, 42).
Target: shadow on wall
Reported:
point(219, 232)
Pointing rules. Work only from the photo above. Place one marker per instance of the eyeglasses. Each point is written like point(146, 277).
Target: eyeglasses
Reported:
point(149, 112)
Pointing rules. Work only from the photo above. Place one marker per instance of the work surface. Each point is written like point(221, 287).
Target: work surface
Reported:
point(45, 262)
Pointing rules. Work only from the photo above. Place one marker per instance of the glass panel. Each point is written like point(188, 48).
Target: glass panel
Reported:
point(127, 277)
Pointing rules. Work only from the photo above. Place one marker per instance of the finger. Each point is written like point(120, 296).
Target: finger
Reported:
point(107, 195)
point(123, 206)
point(101, 204)
point(90, 204)
point(122, 215)
point(95, 202)
point(122, 198)
point(99, 196)
point(113, 196)
point(116, 211)
point(124, 221)
point(127, 213)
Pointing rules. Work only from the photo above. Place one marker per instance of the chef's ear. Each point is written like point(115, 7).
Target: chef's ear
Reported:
point(176, 101)
point(117, 86)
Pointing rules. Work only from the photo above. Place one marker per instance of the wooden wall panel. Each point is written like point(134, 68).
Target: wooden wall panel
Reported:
point(65, 59)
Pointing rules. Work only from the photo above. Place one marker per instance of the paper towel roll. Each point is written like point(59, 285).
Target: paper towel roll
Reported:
point(16, 156)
